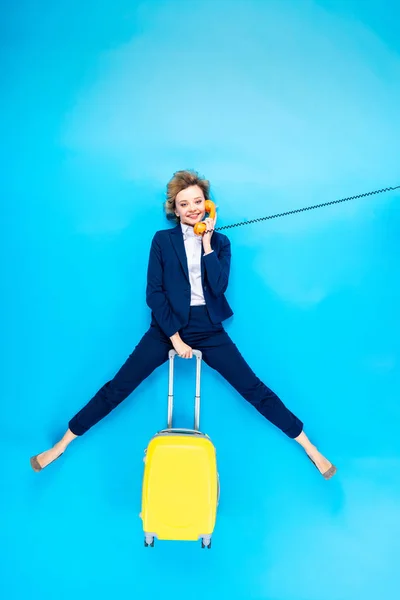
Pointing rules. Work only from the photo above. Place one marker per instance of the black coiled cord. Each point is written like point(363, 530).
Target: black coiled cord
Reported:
point(299, 210)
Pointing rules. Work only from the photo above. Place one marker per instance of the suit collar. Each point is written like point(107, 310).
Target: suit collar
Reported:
point(175, 230)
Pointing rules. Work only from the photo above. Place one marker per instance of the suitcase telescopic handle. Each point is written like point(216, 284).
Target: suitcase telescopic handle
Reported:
point(171, 355)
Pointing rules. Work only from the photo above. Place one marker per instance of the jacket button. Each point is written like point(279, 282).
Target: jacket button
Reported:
point(205, 287)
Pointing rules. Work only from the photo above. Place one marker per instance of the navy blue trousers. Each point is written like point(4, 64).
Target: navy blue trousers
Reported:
point(219, 352)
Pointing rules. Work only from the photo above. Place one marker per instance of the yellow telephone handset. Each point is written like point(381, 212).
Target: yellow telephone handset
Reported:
point(201, 227)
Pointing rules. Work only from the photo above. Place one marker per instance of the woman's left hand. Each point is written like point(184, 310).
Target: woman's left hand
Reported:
point(210, 223)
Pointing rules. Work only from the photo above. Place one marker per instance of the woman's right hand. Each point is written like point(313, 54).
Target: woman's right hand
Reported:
point(182, 349)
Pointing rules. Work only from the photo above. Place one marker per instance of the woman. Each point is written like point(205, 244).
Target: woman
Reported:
point(186, 281)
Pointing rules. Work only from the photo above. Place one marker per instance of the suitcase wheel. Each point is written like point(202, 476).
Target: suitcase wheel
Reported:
point(206, 543)
point(148, 541)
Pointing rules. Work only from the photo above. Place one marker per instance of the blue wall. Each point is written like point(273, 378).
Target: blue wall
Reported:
point(280, 105)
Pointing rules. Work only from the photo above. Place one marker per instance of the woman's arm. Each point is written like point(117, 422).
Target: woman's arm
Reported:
point(218, 267)
point(156, 297)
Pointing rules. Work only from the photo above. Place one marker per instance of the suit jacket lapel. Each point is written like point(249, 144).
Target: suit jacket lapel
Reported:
point(202, 267)
point(179, 246)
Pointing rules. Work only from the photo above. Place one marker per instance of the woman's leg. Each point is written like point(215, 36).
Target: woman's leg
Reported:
point(221, 354)
point(150, 353)
point(43, 459)
point(323, 465)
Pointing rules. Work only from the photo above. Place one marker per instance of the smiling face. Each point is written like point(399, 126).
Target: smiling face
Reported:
point(190, 205)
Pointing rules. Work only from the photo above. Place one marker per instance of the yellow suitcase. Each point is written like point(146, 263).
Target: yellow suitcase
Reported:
point(180, 489)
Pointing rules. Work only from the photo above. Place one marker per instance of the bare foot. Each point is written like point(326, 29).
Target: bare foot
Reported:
point(43, 459)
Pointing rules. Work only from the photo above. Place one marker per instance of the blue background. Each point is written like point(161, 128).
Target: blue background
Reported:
point(281, 105)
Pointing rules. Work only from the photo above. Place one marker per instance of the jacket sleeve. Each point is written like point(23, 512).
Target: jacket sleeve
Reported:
point(217, 268)
point(156, 297)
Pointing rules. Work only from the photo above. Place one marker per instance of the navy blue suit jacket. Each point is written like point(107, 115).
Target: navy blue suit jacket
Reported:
point(168, 285)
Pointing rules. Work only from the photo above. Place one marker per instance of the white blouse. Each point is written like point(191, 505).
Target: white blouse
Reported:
point(193, 246)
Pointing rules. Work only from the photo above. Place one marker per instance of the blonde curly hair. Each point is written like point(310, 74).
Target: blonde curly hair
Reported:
point(180, 181)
